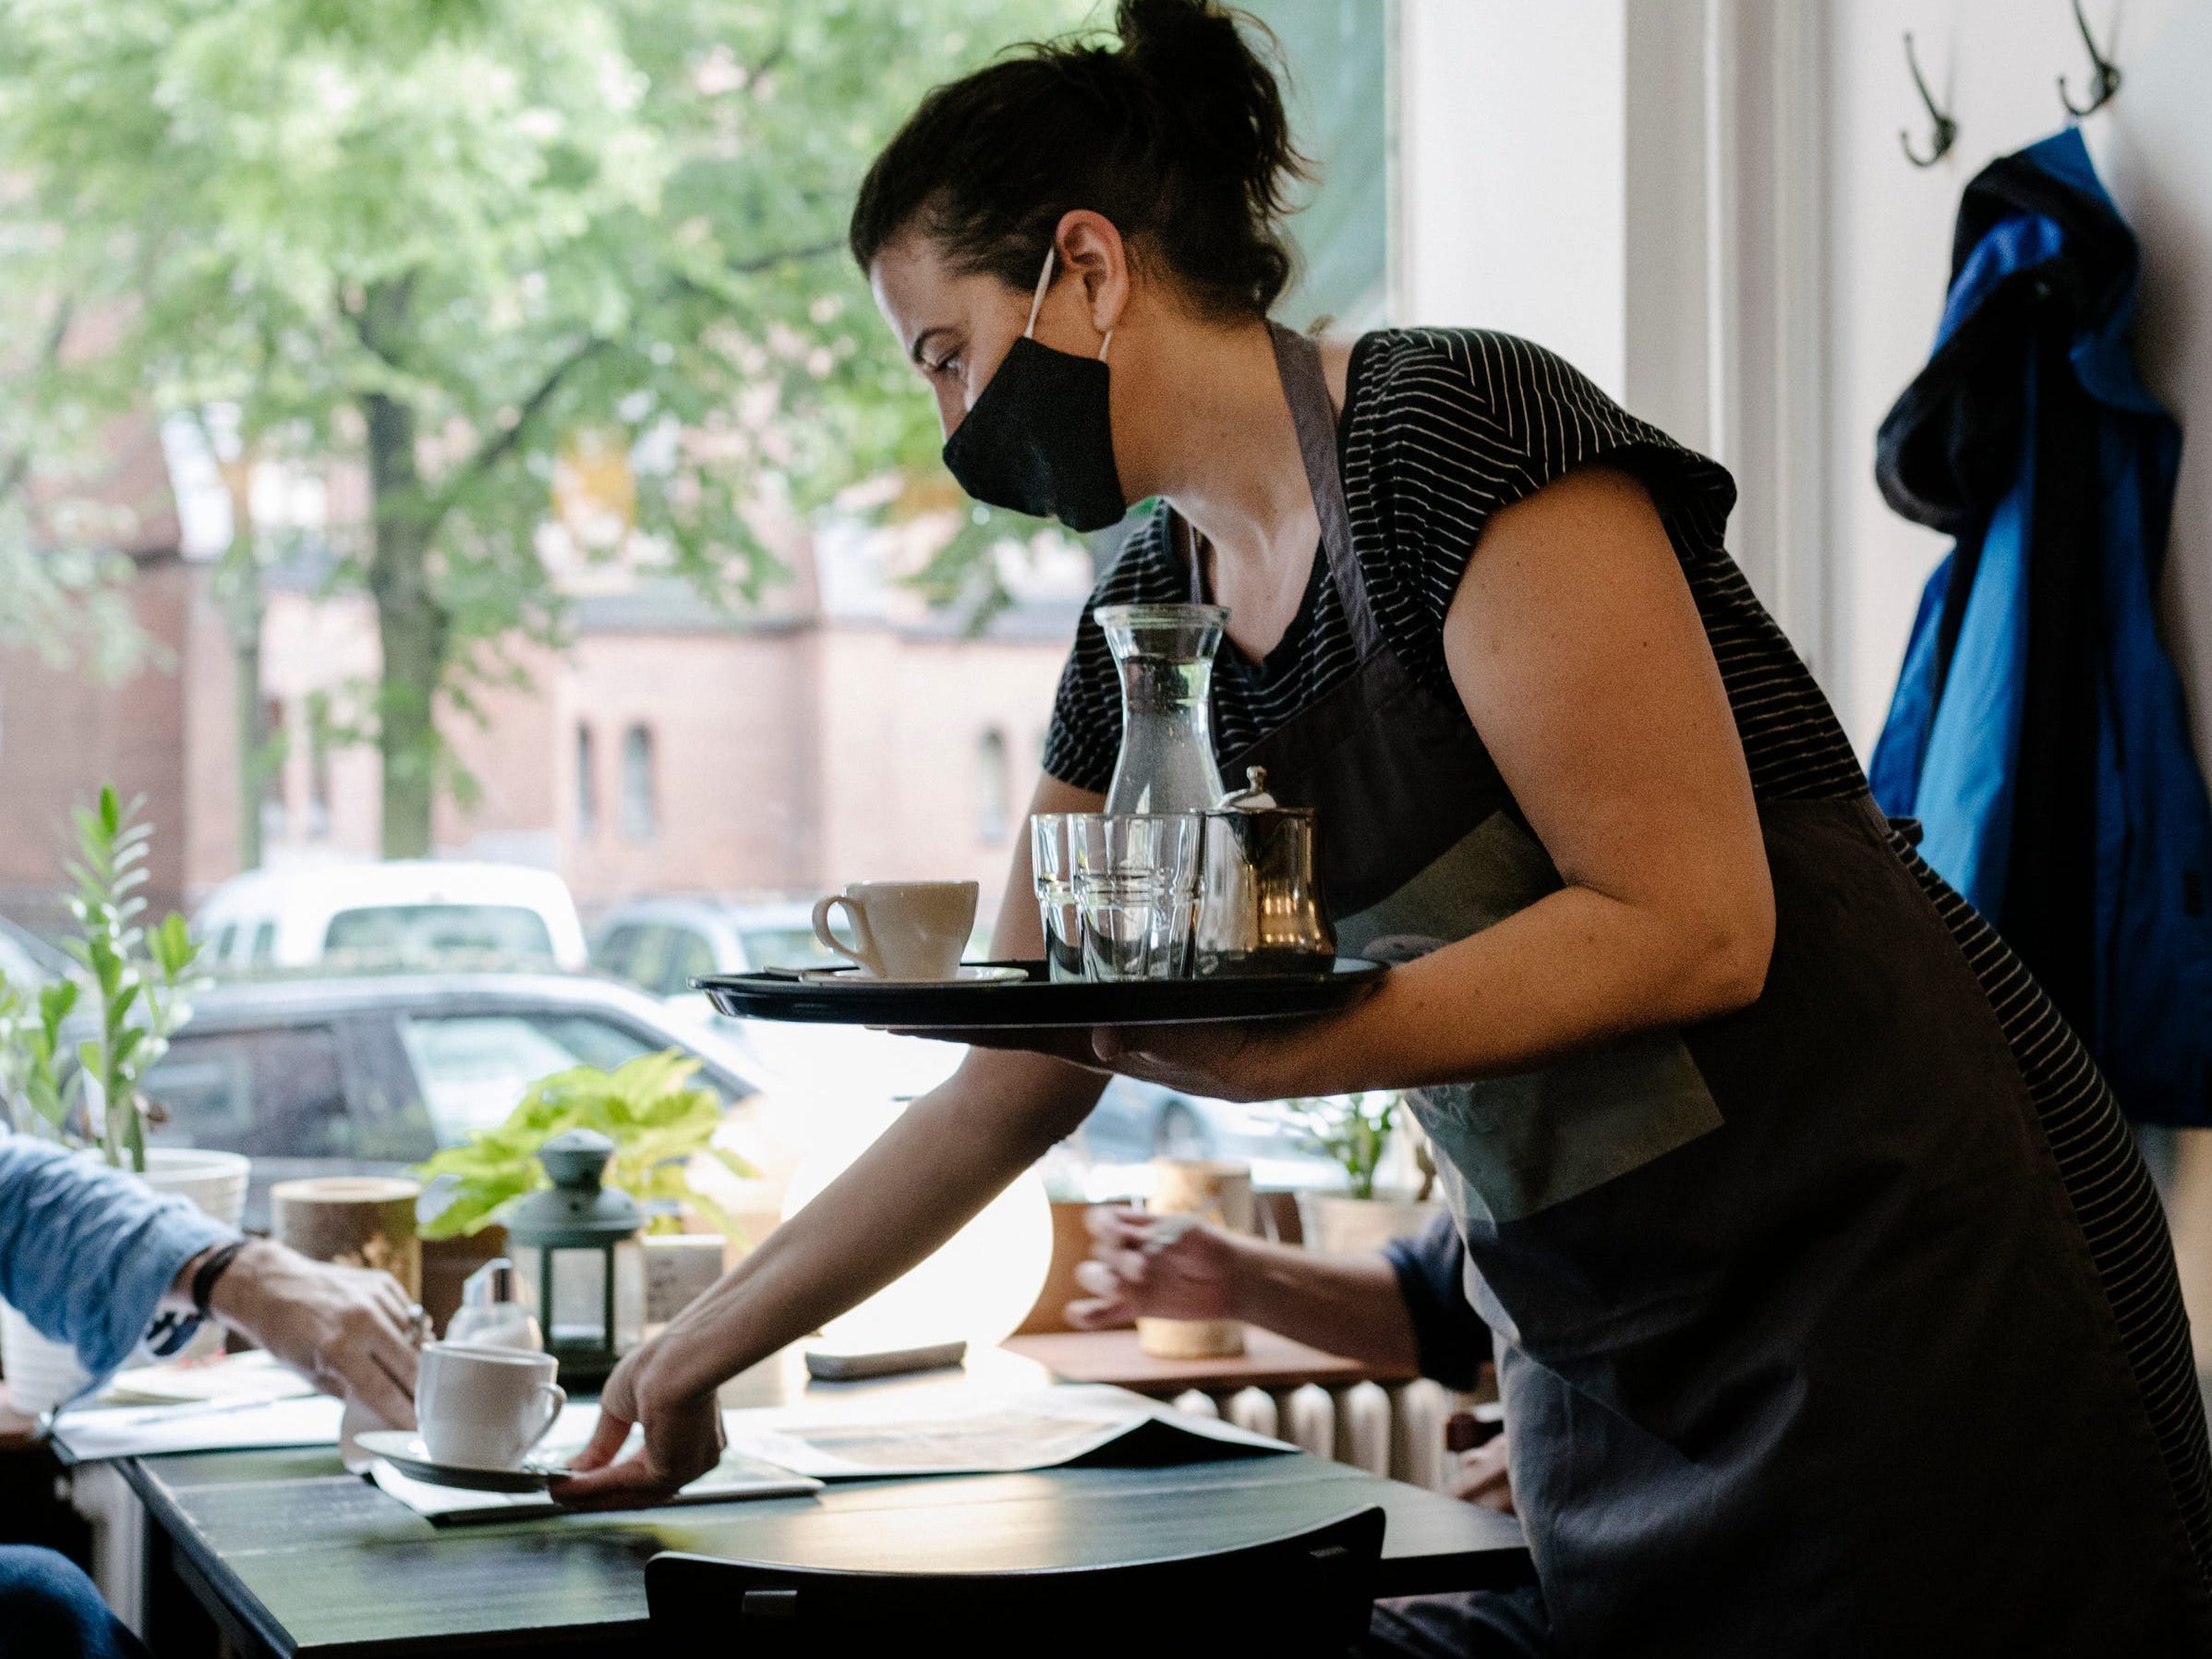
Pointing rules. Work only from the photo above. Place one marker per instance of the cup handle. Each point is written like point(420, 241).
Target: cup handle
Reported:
point(864, 949)
point(556, 1399)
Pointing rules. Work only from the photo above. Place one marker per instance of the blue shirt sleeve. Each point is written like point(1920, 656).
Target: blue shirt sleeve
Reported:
point(86, 1251)
point(1448, 1335)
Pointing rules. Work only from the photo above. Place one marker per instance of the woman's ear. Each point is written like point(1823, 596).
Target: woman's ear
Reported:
point(1091, 251)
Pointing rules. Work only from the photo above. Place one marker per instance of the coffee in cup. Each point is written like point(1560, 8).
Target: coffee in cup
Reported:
point(901, 929)
point(484, 1408)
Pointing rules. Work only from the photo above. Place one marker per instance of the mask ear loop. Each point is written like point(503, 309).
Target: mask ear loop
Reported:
point(1036, 303)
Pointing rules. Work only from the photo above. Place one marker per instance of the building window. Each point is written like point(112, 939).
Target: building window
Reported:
point(640, 820)
point(588, 786)
point(994, 788)
point(319, 742)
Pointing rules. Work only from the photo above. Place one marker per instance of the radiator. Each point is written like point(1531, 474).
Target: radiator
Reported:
point(1394, 1430)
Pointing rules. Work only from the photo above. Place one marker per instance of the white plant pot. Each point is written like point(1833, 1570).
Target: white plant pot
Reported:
point(41, 1373)
point(1336, 1224)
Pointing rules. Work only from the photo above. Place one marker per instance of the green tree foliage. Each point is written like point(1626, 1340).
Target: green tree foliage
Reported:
point(444, 238)
point(658, 1120)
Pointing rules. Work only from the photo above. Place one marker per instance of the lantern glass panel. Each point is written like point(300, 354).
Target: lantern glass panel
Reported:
point(579, 1293)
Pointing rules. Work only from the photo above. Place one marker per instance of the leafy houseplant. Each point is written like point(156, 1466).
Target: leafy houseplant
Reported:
point(140, 976)
point(649, 1107)
point(138, 979)
point(1352, 1128)
point(1355, 1130)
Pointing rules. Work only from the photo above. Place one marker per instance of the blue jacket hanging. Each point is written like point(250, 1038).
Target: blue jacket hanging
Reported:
point(2037, 731)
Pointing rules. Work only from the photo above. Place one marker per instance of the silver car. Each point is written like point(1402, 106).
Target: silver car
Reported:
point(337, 1076)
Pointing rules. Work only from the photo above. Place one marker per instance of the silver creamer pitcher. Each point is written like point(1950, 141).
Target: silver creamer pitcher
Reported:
point(1260, 910)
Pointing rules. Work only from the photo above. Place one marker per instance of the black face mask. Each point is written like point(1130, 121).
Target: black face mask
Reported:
point(1039, 439)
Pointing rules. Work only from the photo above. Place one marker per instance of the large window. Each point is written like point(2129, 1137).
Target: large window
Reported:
point(1336, 52)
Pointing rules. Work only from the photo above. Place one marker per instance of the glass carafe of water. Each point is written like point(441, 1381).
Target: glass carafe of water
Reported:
point(1166, 656)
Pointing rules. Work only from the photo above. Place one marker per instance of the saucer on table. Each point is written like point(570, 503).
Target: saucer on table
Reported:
point(403, 1449)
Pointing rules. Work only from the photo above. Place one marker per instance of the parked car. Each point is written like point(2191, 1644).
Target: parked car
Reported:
point(418, 913)
point(339, 1075)
point(661, 944)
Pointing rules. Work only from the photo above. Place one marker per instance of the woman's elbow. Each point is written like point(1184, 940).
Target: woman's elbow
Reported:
point(1738, 952)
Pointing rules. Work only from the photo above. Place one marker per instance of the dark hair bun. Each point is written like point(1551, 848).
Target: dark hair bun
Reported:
point(1218, 88)
point(1178, 135)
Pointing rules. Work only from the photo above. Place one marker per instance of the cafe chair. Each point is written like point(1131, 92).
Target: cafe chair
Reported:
point(1304, 1595)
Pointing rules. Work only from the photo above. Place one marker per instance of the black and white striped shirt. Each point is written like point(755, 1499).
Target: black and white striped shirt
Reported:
point(1440, 428)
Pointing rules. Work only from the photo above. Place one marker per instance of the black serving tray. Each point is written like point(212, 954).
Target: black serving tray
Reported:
point(1037, 1002)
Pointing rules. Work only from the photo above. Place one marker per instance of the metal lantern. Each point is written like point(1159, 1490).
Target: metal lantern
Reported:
point(577, 1246)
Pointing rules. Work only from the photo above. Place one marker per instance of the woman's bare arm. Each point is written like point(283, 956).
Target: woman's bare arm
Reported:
point(947, 1156)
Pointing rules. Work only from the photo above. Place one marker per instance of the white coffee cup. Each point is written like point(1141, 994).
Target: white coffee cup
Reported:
point(901, 929)
point(483, 1408)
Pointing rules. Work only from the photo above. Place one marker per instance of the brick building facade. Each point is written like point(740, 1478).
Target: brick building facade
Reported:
point(668, 748)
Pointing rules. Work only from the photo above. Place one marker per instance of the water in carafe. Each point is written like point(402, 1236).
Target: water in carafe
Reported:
point(1166, 657)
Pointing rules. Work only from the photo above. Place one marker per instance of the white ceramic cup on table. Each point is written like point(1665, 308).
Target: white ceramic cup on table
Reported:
point(484, 1408)
point(901, 929)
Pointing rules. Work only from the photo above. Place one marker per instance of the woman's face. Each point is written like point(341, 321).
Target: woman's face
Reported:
point(957, 328)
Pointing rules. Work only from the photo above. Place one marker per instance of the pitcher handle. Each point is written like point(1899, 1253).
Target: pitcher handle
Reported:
point(863, 950)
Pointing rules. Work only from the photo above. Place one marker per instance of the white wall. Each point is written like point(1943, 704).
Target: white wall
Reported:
point(1889, 242)
point(1511, 174)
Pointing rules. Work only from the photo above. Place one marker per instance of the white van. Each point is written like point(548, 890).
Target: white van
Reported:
point(404, 912)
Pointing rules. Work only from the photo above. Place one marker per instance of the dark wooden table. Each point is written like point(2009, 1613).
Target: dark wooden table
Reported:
point(284, 1552)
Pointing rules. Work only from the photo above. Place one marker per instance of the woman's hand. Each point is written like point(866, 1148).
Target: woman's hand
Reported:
point(682, 1441)
point(1153, 1266)
point(1485, 1477)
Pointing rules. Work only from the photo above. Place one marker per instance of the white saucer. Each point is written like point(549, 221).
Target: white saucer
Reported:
point(967, 976)
point(404, 1451)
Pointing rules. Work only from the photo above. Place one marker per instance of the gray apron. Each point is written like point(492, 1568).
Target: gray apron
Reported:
point(1802, 1349)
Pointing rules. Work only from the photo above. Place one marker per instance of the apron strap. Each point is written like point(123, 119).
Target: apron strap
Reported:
point(1305, 386)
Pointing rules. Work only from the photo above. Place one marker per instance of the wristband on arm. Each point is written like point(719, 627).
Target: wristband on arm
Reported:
point(170, 1330)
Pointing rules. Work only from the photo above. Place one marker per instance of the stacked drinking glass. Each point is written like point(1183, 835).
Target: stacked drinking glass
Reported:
point(1117, 892)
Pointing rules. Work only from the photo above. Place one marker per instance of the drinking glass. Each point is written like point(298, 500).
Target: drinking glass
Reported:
point(1052, 869)
point(1136, 888)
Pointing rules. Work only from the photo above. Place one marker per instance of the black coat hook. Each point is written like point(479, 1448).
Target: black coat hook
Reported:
point(1946, 132)
point(2105, 74)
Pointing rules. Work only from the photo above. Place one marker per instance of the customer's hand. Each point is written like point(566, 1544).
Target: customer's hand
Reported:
point(682, 1440)
point(1163, 1266)
point(348, 1330)
point(1484, 1478)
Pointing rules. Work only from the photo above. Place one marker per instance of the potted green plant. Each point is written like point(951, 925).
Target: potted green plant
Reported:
point(134, 988)
point(658, 1119)
point(1365, 1133)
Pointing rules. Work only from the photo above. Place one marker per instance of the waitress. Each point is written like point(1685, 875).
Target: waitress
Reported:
point(1835, 1309)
